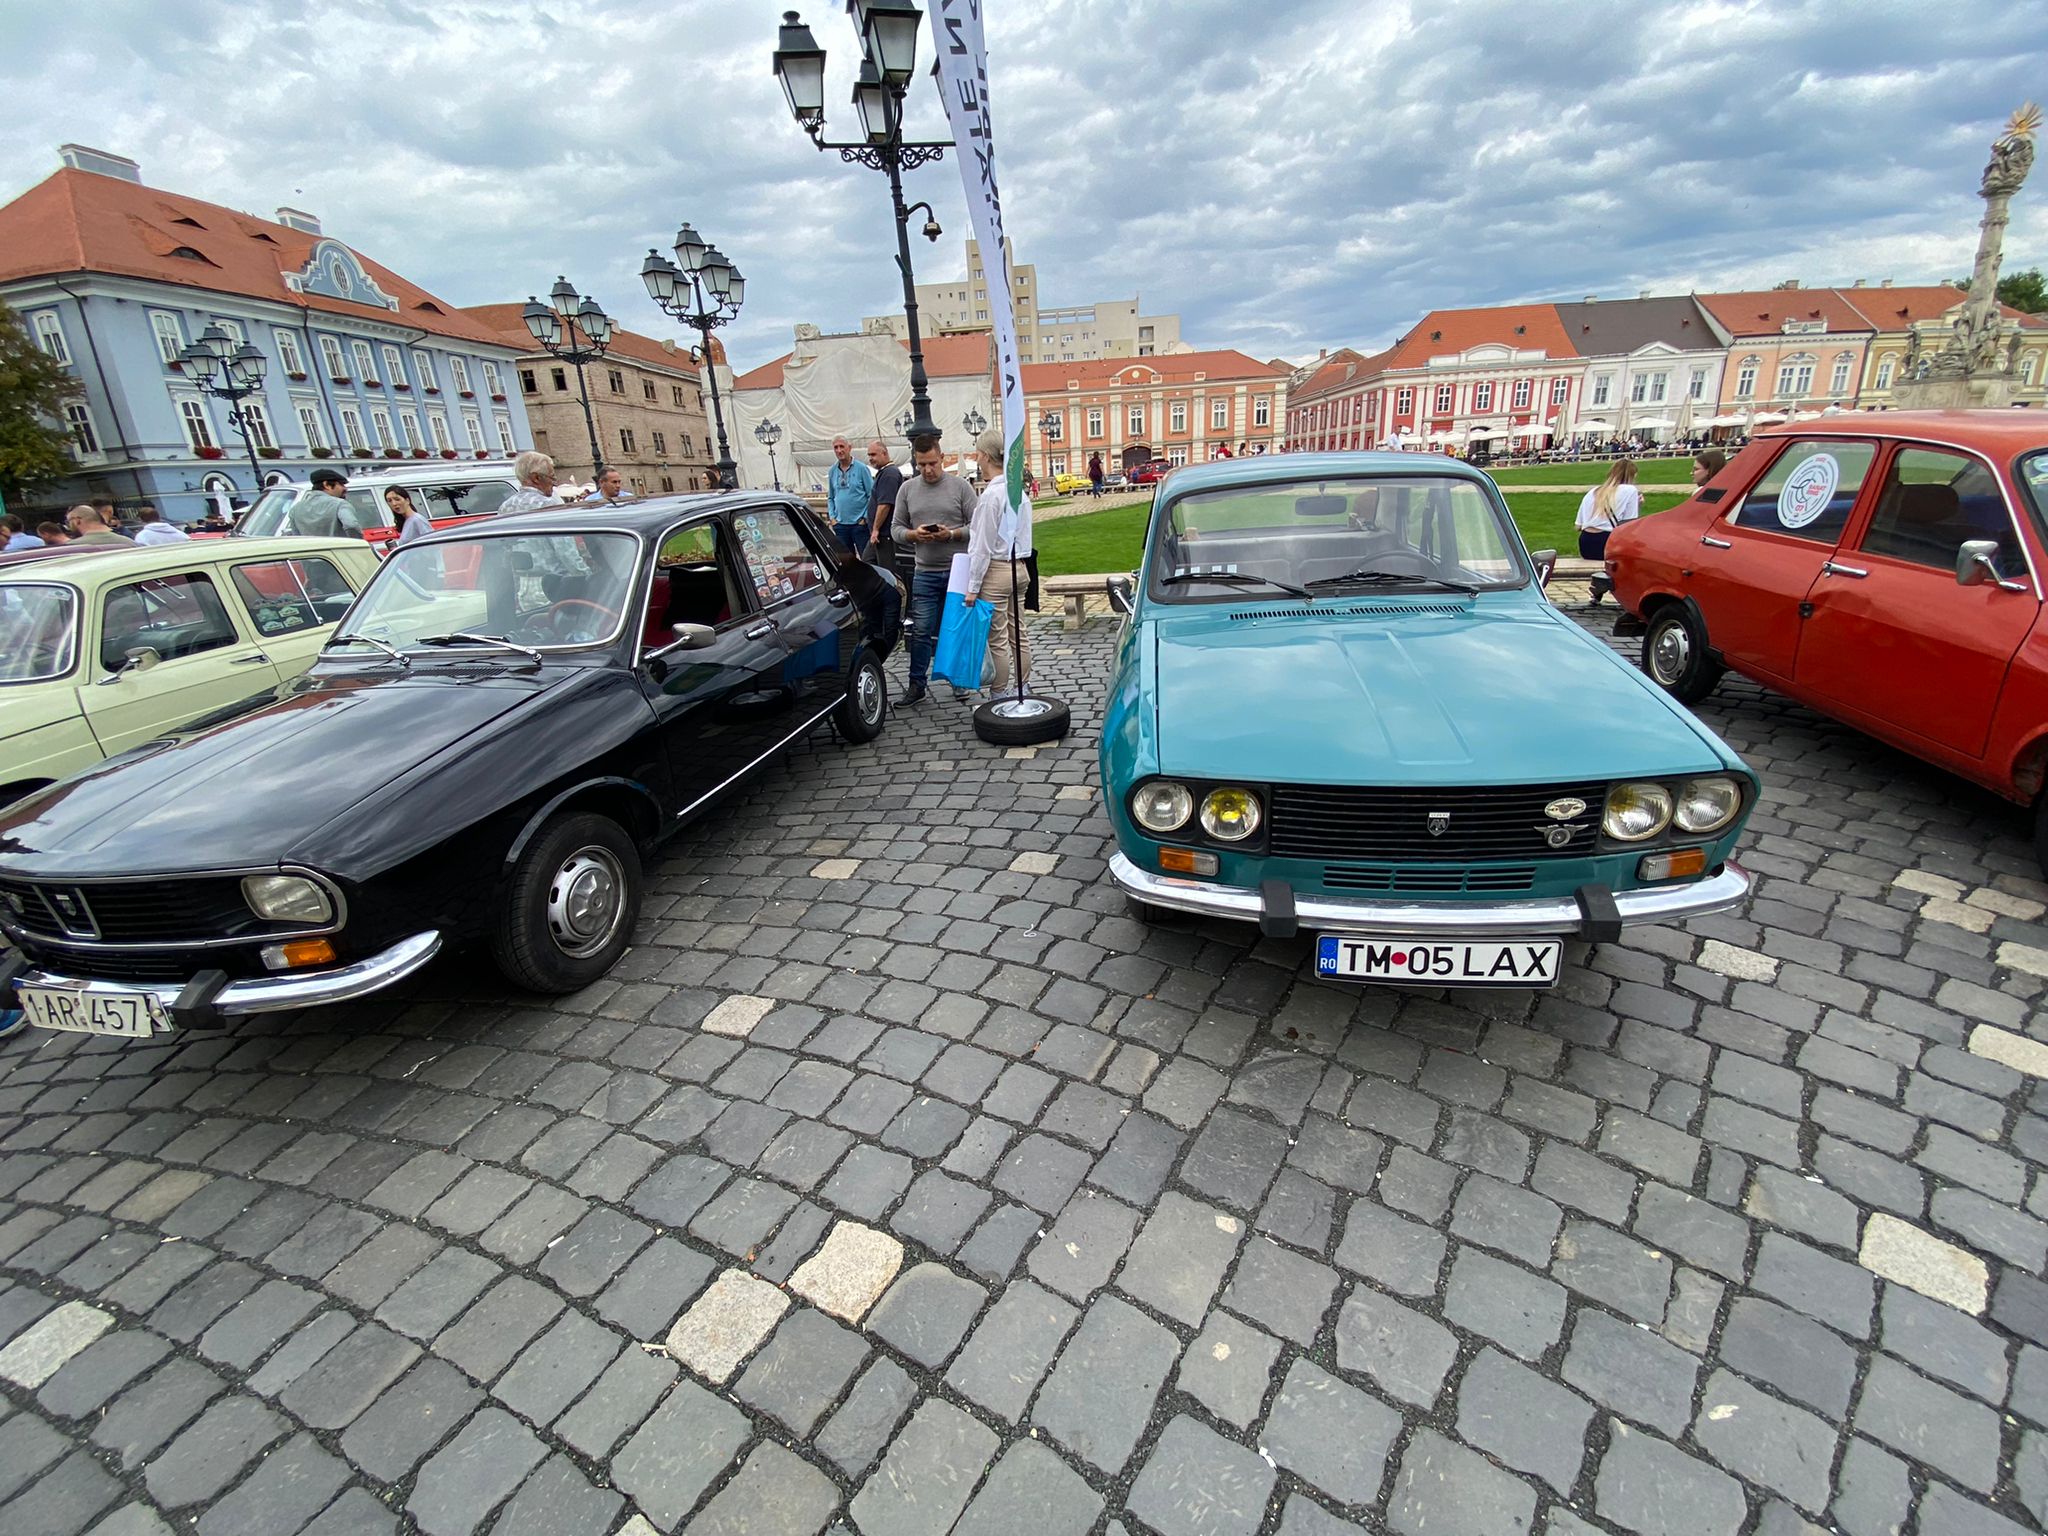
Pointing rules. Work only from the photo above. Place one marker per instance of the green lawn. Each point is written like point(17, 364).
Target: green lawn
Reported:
point(1592, 472)
point(1101, 542)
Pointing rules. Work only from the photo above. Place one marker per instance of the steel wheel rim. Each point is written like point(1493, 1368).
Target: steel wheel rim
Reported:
point(1021, 709)
point(1670, 651)
point(586, 901)
point(868, 695)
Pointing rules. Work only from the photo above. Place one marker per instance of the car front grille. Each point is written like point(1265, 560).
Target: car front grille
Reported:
point(1344, 822)
point(1424, 880)
point(169, 911)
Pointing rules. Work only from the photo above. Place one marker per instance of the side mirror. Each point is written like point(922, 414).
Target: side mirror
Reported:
point(1977, 563)
point(1122, 594)
point(139, 659)
point(1545, 561)
point(694, 637)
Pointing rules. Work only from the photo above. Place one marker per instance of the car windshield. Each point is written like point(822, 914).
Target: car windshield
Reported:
point(38, 631)
point(2033, 478)
point(547, 591)
point(274, 509)
point(1329, 537)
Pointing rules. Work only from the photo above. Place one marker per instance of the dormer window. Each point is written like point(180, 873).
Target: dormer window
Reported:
point(186, 253)
point(339, 275)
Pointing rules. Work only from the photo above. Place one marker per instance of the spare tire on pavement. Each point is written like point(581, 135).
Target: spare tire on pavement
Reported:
point(1013, 722)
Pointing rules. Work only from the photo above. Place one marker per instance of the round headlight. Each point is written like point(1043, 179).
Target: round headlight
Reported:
point(1636, 811)
point(1162, 806)
point(1230, 815)
point(1707, 805)
point(286, 899)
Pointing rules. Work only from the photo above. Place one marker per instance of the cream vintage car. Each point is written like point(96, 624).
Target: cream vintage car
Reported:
point(106, 649)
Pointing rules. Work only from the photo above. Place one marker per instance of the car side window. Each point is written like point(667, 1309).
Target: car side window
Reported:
point(286, 596)
point(1809, 490)
point(179, 615)
point(1931, 504)
point(693, 583)
point(460, 500)
point(778, 560)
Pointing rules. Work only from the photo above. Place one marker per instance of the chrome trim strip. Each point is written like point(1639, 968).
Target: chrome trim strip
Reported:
point(273, 994)
point(757, 762)
point(1393, 919)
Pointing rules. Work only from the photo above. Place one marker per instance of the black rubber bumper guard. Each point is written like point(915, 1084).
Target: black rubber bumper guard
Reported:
point(1599, 917)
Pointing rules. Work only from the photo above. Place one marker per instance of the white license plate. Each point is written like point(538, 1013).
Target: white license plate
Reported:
point(134, 1014)
point(1441, 962)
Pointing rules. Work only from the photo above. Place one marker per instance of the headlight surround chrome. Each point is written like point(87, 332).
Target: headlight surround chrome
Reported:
point(1707, 805)
point(287, 899)
point(1636, 811)
point(1162, 806)
point(1230, 814)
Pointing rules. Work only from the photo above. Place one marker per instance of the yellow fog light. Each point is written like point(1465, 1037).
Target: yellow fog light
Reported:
point(1230, 815)
point(285, 957)
point(1636, 812)
point(1680, 864)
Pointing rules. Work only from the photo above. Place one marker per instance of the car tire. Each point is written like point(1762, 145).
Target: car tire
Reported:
point(865, 709)
point(1013, 722)
point(569, 905)
point(1675, 655)
point(1143, 911)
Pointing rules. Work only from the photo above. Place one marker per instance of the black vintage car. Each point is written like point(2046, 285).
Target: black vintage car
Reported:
point(510, 716)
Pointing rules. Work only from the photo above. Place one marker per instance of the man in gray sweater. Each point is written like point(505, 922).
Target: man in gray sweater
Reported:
point(933, 510)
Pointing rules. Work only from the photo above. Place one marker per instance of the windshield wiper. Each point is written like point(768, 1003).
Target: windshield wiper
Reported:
point(469, 639)
point(395, 654)
point(1233, 576)
point(1376, 578)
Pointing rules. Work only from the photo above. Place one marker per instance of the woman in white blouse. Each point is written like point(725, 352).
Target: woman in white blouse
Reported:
point(994, 534)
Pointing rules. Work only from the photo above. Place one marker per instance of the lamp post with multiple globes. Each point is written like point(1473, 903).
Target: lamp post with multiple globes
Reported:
point(577, 331)
point(704, 290)
point(232, 372)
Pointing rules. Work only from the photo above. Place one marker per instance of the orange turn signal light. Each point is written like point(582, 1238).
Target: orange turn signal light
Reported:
point(1679, 864)
point(1185, 861)
point(298, 952)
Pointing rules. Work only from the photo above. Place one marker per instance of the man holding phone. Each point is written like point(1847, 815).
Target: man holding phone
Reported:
point(933, 510)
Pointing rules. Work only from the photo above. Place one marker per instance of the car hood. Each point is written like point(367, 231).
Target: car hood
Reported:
point(1411, 697)
point(32, 707)
point(253, 789)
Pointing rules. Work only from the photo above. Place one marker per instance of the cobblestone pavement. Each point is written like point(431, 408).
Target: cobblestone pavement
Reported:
point(899, 1179)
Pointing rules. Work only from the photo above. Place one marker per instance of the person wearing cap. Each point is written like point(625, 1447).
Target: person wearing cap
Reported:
point(322, 513)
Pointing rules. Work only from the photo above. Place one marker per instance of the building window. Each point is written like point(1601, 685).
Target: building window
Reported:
point(1054, 425)
point(439, 425)
point(330, 355)
point(2027, 367)
point(1177, 416)
point(1600, 389)
point(689, 447)
point(1404, 400)
point(647, 388)
point(366, 367)
point(1095, 421)
point(660, 441)
point(1262, 411)
point(381, 420)
point(474, 431)
point(559, 378)
point(1795, 376)
point(667, 483)
point(1219, 415)
point(410, 421)
point(1560, 391)
point(352, 428)
point(1482, 396)
point(85, 441)
point(626, 444)
point(526, 383)
point(505, 433)
point(1521, 396)
point(1838, 382)
point(257, 423)
point(423, 363)
point(677, 391)
point(1658, 383)
point(1056, 465)
point(394, 366)
point(309, 423)
point(1884, 374)
point(491, 380)
point(1745, 379)
point(1177, 457)
point(50, 337)
point(289, 355)
point(1696, 385)
point(1134, 420)
point(1639, 388)
point(458, 374)
point(617, 380)
point(169, 333)
point(1443, 399)
point(234, 330)
point(198, 430)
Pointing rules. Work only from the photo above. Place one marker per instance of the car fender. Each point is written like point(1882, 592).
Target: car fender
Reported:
point(1130, 724)
point(610, 787)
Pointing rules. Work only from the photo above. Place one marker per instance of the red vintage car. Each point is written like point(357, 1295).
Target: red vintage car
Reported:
point(1885, 568)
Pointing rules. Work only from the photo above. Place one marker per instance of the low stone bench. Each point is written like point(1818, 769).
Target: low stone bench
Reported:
point(1073, 593)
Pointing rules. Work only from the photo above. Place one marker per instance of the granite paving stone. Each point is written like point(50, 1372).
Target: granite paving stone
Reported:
point(1784, 1449)
point(1330, 1433)
point(1650, 1486)
point(923, 1484)
point(801, 1371)
point(1521, 1312)
point(1031, 1492)
point(1103, 1387)
point(681, 1449)
point(926, 1313)
point(413, 1416)
point(1180, 1258)
point(1196, 1483)
point(1443, 1489)
point(855, 1434)
point(1524, 1419)
point(1405, 1353)
point(1228, 1369)
point(1281, 1290)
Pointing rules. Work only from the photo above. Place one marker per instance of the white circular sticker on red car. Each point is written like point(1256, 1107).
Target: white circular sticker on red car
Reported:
point(1808, 489)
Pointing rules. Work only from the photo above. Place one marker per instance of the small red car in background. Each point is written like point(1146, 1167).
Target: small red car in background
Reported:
point(1884, 568)
point(1151, 472)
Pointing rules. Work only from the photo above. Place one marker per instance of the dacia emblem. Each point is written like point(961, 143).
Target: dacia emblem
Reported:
point(1565, 809)
point(1557, 837)
point(1439, 823)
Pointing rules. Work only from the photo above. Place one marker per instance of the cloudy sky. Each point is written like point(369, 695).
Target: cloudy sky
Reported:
point(1284, 174)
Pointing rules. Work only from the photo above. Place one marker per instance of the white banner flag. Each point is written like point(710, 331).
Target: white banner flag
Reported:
point(963, 86)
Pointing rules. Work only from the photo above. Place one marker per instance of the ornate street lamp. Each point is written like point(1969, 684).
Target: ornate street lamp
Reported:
point(703, 290)
point(974, 422)
point(768, 434)
point(232, 372)
point(575, 330)
point(904, 423)
point(887, 30)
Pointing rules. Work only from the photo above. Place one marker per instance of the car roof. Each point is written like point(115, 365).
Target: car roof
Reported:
point(81, 565)
point(429, 470)
point(1267, 468)
point(648, 515)
point(1991, 432)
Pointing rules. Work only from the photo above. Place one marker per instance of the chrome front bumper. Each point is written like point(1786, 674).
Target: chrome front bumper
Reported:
point(268, 994)
point(1552, 916)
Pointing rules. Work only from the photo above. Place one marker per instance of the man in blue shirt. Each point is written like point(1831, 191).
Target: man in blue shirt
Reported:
point(848, 493)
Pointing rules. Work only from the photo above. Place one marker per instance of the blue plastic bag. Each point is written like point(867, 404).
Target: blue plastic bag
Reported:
point(963, 641)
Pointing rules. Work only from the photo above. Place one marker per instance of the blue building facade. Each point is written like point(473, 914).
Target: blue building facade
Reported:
point(364, 369)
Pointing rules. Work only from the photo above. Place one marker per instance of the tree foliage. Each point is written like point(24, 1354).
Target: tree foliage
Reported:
point(2025, 291)
point(33, 390)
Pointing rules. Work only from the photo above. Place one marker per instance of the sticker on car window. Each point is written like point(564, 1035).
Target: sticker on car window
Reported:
point(1808, 489)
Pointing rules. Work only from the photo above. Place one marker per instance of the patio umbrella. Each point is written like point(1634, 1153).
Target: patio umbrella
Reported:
point(1478, 432)
point(1440, 437)
point(1724, 420)
point(1766, 418)
point(1654, 424)
point(1532, 429)
point(1590, 424)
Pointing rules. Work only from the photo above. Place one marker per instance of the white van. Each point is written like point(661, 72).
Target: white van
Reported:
point(448, 491)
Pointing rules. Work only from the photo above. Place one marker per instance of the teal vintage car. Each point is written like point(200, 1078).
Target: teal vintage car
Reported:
point(1342, 704)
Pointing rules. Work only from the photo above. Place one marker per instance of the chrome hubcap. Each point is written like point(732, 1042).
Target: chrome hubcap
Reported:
point(586, 901)
point(1669, 653)
point(868, 695)
point(1020, 709)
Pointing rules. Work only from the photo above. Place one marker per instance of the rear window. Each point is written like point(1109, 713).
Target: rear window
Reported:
point(285, 596)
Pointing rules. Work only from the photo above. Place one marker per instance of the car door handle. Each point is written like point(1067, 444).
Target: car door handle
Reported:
point(1830, 568)
point(840, 598)
point(250, 661)
point(762, 630)
point(1713, 543)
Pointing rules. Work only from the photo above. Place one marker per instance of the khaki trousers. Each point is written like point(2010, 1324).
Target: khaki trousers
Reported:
point(997, 588)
